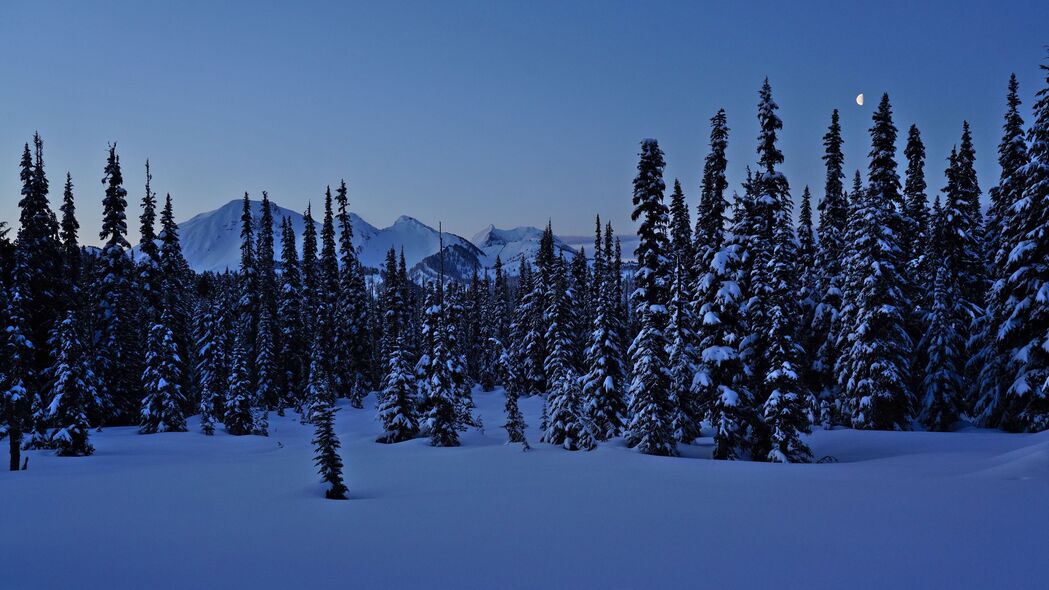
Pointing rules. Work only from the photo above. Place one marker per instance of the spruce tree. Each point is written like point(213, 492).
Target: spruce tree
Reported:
point(391, 304)
point(319, 393)
point(566, 423)
point(17, 403)
point(310, 272)
point(238, 418)
point(808, 298)
point(267, 341)
point(830, 262)
point(1023, 337)
point(396, 403)
point(294, 353)
point(680, 230)
point(915, 247)
point(161, 380)
point(442, 404)
point(710, 214)
point(117, 341)
point(486, 343)
point(327, 459)
point(955, 252)
point(972, 278)
point(429, 325)
point(74, 392)
point(248, 302)
point(266, 392)
point(353, 347)
point(772, 309)
point(604, 382)
point(874, 368)
point(1005, 229)
point(721, 385)
point(397, 397)
point(942, 386)
point(650, 413)
point(622, 305)
point(530, 349)
point(502, 305)
point(39, 274)
point(70, 246)
point(534, 306)
point(581, 284)
point(177, 294)
point(1012, 157)
point(326, 294)
point(682, 359)
point(455, 345)
point(515, 424)
point(210, 359)
point(148, 280)
point(917, 207)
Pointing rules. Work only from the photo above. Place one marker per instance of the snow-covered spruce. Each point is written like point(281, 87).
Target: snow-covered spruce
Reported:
point(1006, 228)
point(326, 457)
point(74, 393)
point(566, 423)
point(604, 383)
point(772, 310)
point(163, 402)
point(874, 368)
point(396, 401)
point(650, 411)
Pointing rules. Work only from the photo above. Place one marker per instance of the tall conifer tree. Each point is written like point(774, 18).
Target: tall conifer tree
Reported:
point(650, 409)
point(1005, 230)
point(119, 360)
point(75, 392)
point(875, 367)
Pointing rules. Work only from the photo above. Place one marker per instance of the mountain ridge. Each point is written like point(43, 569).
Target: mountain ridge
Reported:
point(211, 241)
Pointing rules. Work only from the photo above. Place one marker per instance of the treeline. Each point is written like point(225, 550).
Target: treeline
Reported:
point(888, 313)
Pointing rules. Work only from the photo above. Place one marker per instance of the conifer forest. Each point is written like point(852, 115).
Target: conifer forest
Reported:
point(846, 382)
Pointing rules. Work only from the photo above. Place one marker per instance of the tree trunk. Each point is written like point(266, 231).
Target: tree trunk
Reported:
point(15, 438)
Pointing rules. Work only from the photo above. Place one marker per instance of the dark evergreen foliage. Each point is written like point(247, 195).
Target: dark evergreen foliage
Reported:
point(874, 369)
point(326, 457)
point(74, 393)
point(1005, 229)
point(650, 408)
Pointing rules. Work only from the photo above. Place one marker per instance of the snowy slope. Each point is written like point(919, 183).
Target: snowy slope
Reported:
point(511, 245)
point(418, 240)
point(900, 510)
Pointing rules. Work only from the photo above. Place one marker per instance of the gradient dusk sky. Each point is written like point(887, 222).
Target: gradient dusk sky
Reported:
point(484, 112)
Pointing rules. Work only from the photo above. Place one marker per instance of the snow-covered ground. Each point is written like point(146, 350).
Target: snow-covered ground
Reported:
point(920, 510)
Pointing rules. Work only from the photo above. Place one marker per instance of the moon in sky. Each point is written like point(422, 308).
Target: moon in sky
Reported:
point(859, 99)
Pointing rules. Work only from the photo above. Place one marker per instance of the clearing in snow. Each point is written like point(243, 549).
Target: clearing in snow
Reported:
point(178, 510)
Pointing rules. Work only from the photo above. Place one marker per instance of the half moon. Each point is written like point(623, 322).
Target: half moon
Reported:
point(859, 99)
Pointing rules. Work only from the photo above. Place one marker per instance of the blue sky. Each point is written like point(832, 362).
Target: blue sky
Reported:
point(483, 112)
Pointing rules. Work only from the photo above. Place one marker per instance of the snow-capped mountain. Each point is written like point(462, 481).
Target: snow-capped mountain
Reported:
point(418, 240)
point(511, 245)
point(459, 263)
point(211, 240)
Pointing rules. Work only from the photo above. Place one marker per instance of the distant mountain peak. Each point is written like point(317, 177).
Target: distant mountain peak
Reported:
point(513, 245)
point(211, 242)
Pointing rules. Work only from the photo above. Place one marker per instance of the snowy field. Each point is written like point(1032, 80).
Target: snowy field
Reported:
point(918, 510)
